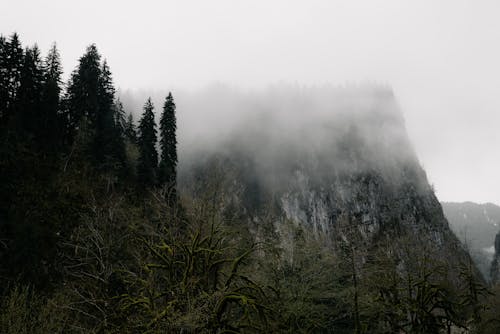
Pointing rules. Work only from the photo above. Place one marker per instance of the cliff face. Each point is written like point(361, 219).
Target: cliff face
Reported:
point(343, 169)
point(372, 204)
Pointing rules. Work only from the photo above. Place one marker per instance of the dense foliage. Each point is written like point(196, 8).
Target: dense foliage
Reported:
point(95, 237)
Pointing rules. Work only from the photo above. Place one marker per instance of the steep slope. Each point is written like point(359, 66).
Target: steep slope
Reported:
point(475, 225)
point(336, 161)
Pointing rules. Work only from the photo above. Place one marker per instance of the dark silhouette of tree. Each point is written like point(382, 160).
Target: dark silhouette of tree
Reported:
point(129, 129)
point(108, 148)
point(28, 97)
point(90, 106)
point(3, 79)
point(15, 57)
point(119, 117)
point(167, 173)
point(148, 157)
point(82, 99)
point(12, 62)
point(51, 124)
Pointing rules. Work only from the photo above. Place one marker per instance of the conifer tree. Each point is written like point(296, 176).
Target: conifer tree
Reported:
point(82, 95)
point(29, 94)
point(148, 157)
point(90, 104)
point(167, 173)
point(129, 129)
point(12, 62)
point(3, 79)
point(51, 125)
point(108, 148)
point(119, 116)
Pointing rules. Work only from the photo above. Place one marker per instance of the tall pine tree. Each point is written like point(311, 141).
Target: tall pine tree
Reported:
point(52, 122)
point(3, 80)
point(90, 106)
point(82, 101)
point(129, 129)
point(108, 147)
point(119, 116)
point(167, 173)
point(28, 97)
point(12, 57)
point(148, 157)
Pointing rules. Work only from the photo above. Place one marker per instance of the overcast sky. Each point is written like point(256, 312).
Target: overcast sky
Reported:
point(442, 59)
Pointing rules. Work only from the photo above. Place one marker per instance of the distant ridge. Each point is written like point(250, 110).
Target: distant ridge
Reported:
point(475, 225)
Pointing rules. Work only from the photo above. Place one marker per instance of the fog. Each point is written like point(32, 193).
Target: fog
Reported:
point(440, 58)
point(324, 132)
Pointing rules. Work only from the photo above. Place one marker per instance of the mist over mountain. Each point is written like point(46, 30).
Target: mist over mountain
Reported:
point(325, 158)
point(334, 162)
point(323, 121)
point(320, 156)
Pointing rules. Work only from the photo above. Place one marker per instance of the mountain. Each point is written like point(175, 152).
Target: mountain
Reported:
point(475, 225)
point(330, 173)
point(337, 162)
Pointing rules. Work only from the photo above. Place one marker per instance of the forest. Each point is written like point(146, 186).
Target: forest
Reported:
point(96, 236)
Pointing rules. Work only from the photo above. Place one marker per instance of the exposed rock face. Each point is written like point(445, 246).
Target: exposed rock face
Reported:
point(368, 201)
point(349, 171)
point(495, 265)
point(476, 225)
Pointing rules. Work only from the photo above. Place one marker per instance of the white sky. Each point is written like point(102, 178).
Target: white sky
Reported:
point(442, 59)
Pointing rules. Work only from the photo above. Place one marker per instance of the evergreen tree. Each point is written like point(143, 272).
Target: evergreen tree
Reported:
point(82, 102)
point(119, 116)
point(3, 79)
point(90, 105)
point(12, 62)
point(168, 143)
point(14, 65)
point(51, 125)
point(108, 148)
point(29, 94)
point(148, 157)
point(129, 129)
